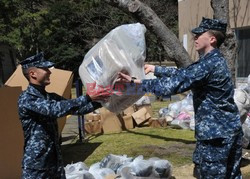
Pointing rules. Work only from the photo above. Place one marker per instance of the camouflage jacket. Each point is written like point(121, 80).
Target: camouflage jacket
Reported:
point(38, 114)
point(216, 114)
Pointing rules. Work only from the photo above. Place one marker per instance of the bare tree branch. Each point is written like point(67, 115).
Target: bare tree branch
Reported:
point(149, 18)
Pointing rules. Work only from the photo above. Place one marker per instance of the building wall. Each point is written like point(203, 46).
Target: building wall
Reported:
point(239, 13)
point(191, 12)
point(190, 15)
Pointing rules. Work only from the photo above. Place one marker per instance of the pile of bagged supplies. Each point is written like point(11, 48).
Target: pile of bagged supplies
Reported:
point(121, 166)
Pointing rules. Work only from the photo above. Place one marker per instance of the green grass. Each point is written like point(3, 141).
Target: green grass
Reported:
point(165, 143)
point(157, 105)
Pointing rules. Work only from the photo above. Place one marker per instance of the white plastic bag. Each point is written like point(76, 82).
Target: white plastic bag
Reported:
point(77, 170)
point(121, 50)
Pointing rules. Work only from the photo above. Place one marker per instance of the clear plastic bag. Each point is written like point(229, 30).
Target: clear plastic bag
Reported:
point(77, 170)
point(121, 50)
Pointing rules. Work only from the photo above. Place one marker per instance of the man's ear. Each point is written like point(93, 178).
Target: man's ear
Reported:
point(213, 41)
point(32, 73)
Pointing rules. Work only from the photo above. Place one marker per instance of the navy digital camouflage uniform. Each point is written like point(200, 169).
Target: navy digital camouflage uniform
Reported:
point(217, 121)
point(38, 111)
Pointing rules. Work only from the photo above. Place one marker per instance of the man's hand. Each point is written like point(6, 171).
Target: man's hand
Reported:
point(149, 68)
point(123, 78)
point(99, 93)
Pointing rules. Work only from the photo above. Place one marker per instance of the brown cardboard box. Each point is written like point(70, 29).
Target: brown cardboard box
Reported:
point(155, 122)
point(128, 121)
point(61, 83)
point(93, 123)
point(110, 121)
point(89, 117)
point(92, 117)
point(141, 116)
point(11, 133)
point(93, 127)
point(129, 110)
point(147, 106)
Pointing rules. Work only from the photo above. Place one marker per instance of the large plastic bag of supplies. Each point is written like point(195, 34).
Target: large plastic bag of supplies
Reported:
point(121, 50)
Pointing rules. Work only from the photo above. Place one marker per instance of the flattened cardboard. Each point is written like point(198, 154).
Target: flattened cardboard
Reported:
point(11, 133)
point(147, 106)
point(61, 83)
point(141, 116)
point(128, 121)
point(111, 122)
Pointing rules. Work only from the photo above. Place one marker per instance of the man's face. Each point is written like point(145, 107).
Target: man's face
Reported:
point(203, 42)
point(40, 76)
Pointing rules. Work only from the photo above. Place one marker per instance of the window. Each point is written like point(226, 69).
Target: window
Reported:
point(243, 61)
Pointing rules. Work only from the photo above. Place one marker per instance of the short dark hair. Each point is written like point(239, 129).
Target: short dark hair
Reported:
point(220, 36)
point(26, 72)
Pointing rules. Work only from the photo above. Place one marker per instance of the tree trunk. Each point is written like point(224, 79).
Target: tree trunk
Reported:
point(229, 48)
point(153, 23)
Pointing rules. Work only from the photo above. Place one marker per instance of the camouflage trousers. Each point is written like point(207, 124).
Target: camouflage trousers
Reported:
point(218, 158)
point(55, 173)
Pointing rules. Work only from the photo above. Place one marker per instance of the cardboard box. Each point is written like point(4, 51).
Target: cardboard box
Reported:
point(93, 123)
point(61, 83)
point(141, 116)
point(147, 106)
point(130, 110)
point(93, 127)
point(157, 123)
point(128, 122)
point(110, 122)
point(92, 117)
point(11, 133)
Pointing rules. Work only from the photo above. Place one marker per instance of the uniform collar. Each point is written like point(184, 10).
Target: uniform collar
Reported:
point(209, 54)
point(35, 91)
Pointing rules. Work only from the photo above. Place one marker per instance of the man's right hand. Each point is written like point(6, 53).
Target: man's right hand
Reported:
point(99, 94)
point(149, 68)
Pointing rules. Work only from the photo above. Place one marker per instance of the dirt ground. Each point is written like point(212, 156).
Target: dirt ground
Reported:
point(186, 171)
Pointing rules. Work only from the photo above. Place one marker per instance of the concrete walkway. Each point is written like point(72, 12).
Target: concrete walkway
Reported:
point(70, 133)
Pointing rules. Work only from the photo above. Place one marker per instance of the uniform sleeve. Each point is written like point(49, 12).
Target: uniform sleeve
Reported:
point(185, 79)
point(165, 71)
point(90, 107)
point(54, 108)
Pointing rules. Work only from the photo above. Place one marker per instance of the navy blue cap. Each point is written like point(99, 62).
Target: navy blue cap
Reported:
point(210, 24)
point(36, 61)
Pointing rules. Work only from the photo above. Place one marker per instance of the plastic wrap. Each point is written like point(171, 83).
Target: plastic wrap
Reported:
point(123, 166)
point(121, 50)
point(77, 170)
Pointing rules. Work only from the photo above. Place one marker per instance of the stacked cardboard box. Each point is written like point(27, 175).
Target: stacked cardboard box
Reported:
point(107, 122)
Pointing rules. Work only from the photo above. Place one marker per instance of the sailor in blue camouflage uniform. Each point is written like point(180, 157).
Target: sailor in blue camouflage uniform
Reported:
point(38, 111)
point(217, 121)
